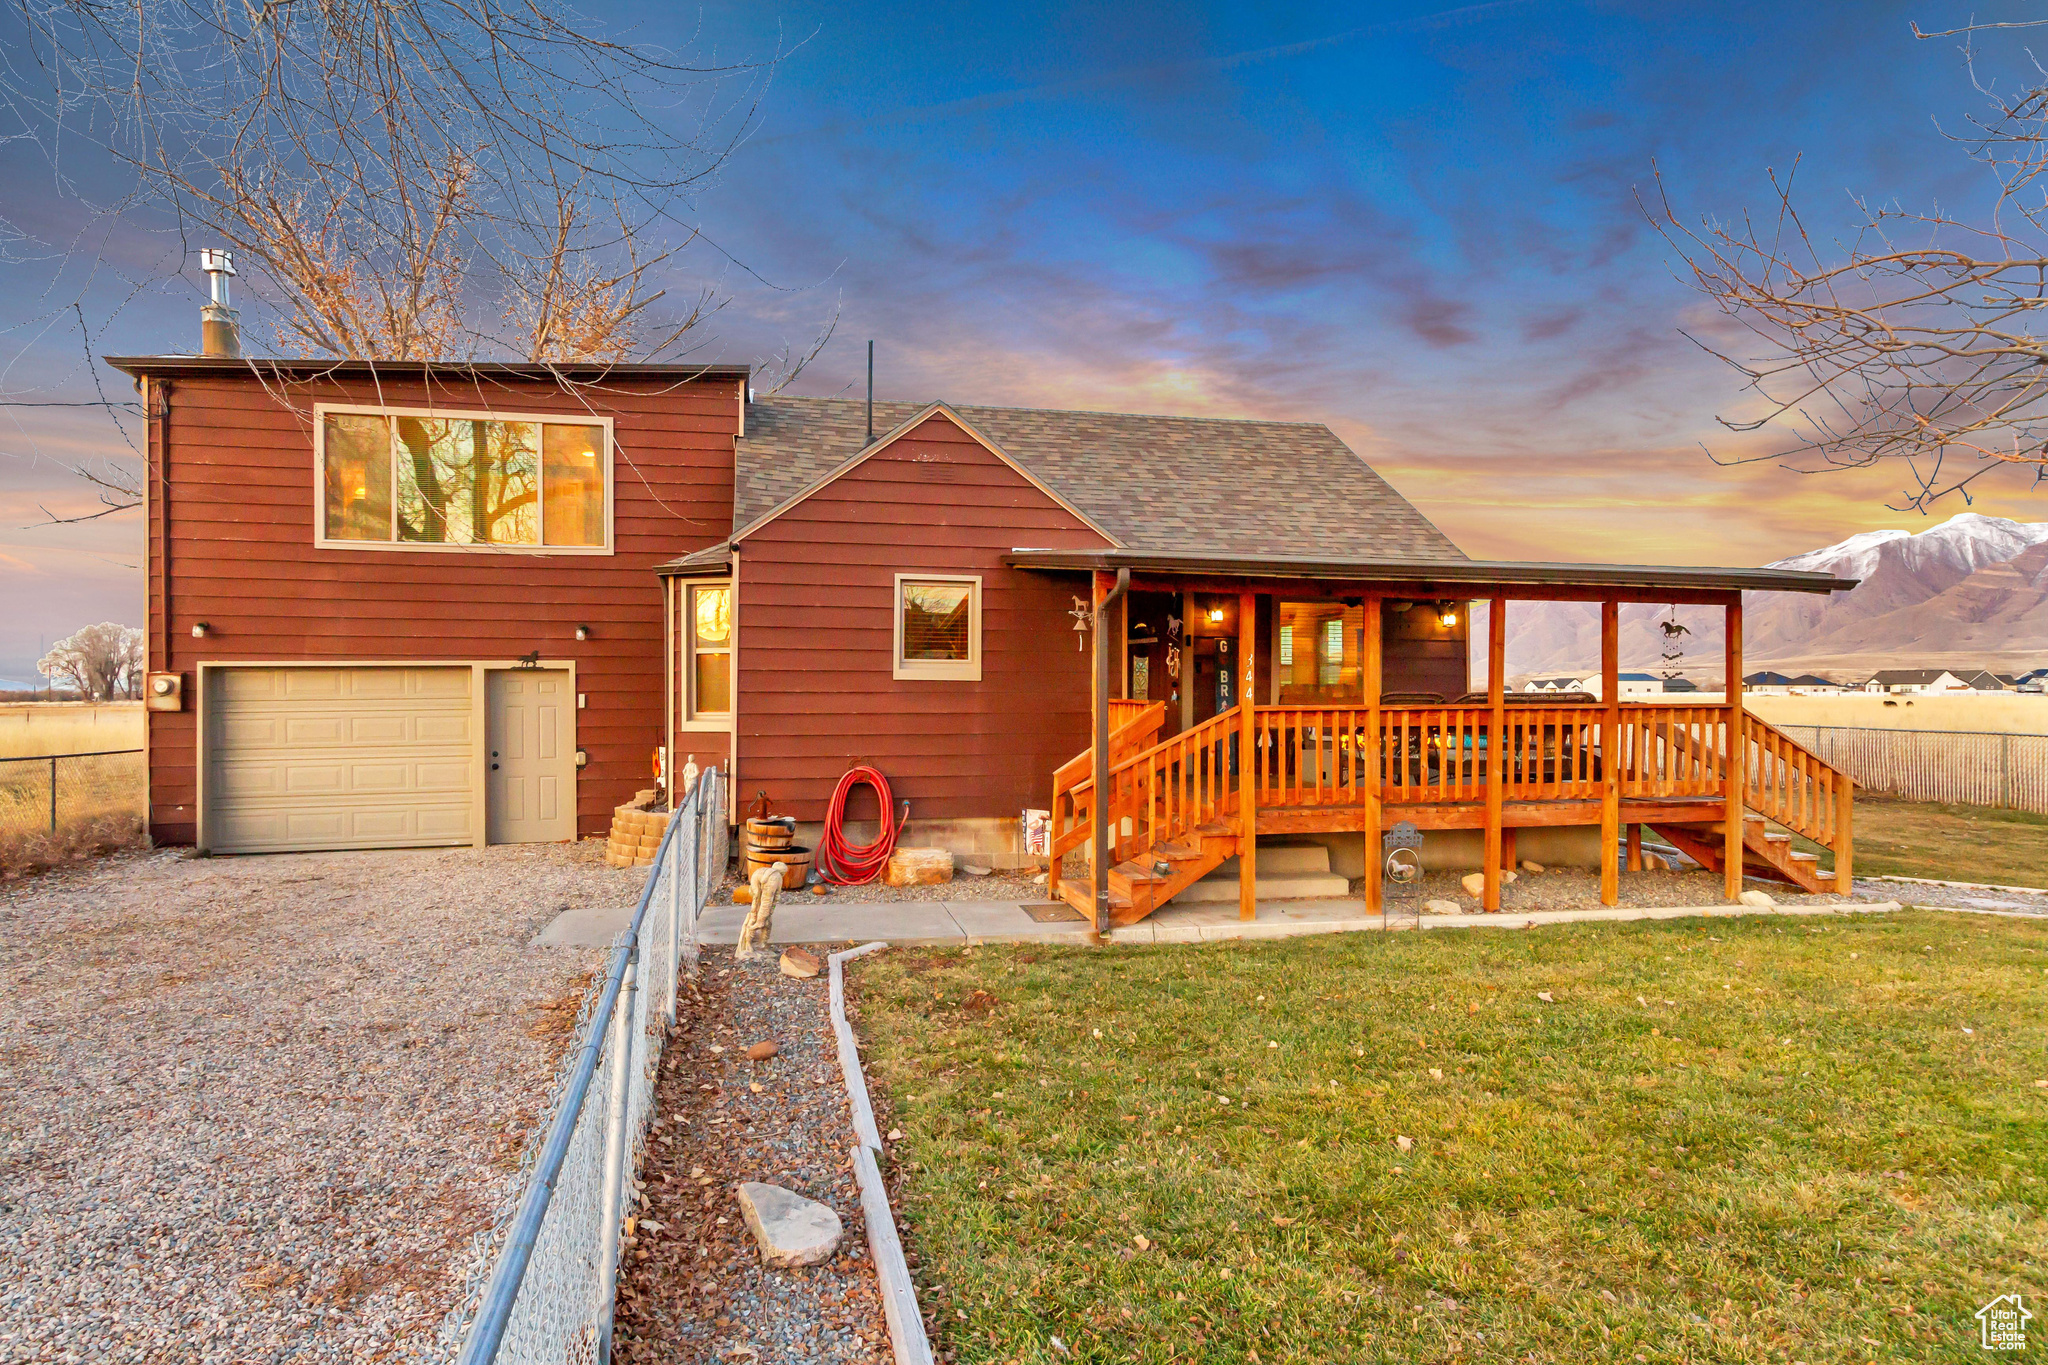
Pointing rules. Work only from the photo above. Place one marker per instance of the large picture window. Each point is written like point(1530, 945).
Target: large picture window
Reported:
point(455, 481)
point(938, 626)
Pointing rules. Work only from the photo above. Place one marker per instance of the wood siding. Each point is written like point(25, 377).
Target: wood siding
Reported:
point(816, 639)
point(231, 525)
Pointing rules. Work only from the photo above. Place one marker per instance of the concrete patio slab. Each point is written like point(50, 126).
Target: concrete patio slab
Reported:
point(961, 923)
point(594, 926)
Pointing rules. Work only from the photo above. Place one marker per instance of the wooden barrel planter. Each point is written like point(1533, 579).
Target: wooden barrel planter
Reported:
point(773, 833)
point(794, 859)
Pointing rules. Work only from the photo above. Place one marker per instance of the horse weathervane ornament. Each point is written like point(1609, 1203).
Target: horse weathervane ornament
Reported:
point(1673, 650)
point(1083, 615)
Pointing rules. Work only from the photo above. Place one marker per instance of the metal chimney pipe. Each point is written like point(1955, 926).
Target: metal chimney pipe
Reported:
point(871, 393)
point(220, 332)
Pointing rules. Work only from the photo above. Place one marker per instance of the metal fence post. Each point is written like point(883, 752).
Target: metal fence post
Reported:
point(53, 795)
point(675, 905)
point(612, 1210)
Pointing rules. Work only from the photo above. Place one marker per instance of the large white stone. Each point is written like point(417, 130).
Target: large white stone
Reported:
point(790, 1229)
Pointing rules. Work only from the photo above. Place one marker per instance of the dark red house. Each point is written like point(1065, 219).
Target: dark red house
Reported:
point(405, 604)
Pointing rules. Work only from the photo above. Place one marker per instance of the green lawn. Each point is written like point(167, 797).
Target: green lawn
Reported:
point(1767, 1139)
point(1951, 843)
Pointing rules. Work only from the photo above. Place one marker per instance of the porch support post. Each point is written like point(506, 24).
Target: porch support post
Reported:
point(1610, 753)
point(1105, 598)
point(1496, 746)
point(1635, 848)
point(1737, 766)
point(1369, 760)
point(1248, 755)
point(1186, 681)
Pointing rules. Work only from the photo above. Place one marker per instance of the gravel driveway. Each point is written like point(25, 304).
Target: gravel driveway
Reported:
point(255, 1108)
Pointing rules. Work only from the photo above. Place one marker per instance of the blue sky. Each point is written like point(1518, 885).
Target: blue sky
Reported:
point(1415, 222)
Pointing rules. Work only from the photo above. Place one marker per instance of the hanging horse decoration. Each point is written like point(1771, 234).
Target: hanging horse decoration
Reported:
point(1673, 650)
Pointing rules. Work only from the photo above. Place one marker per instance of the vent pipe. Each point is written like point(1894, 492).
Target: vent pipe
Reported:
point(871, 393)
point(220, 332)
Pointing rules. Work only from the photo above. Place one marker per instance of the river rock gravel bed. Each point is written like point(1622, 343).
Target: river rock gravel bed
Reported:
point(1574, 888)
point(256, 1108)
point(694, 1287)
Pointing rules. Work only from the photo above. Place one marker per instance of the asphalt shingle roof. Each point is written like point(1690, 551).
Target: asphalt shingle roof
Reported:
point(1179, 484)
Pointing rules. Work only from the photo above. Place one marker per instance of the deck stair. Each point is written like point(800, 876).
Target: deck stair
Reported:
point(1765, 852)
point(1137, 886)
point(1285, 872)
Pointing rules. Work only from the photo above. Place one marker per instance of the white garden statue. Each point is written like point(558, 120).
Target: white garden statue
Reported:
point(767, 883)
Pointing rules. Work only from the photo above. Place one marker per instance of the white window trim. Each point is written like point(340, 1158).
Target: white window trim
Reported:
point(581, 419)
point(686, 623)
point(947, 670)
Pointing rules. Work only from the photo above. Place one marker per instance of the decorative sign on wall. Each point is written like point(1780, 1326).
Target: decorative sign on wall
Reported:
point(1084, 617)
point(1141, 678)
point(1173, 648)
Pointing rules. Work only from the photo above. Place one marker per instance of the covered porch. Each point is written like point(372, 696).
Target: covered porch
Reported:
point(1290, 697)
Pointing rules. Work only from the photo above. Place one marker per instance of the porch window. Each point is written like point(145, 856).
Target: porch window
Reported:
point(938, 627)
point(1319, 655)
point(710, 638)
point(424, 480)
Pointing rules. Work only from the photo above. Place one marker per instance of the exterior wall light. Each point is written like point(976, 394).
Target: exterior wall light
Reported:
point(199, 629)
point(1447, 614)
point(1215, 616)
point(583, 632)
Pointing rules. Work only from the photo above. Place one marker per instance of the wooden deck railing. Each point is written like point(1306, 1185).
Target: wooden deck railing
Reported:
point(1307, 757)
point(1789, 784)
point(1317, 756)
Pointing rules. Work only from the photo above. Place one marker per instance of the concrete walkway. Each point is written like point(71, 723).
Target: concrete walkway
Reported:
point(959, 923)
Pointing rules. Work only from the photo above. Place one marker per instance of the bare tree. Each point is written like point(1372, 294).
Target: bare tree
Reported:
point(99, 662)
point(1915, 343)
point(414, 179)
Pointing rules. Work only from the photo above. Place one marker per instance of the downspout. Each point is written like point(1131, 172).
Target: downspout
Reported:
point(1102, 619)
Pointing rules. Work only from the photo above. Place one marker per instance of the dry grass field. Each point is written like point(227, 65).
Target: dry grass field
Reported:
point(97, 803)
point(31, 729)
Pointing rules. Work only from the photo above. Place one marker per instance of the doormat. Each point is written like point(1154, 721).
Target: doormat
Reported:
point(1054, 912)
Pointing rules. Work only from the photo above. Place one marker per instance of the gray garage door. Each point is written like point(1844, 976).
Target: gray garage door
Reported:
point(323, 758)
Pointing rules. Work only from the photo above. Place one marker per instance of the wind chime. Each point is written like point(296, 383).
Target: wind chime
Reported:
point(1173, 654)
point(1673, 650)
point(1084, 616)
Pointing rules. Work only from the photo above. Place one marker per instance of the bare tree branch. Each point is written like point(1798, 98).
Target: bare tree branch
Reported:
point(406, 179)
point(1920, 342)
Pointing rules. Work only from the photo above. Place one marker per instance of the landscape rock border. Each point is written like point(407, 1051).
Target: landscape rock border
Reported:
point(899, 1295)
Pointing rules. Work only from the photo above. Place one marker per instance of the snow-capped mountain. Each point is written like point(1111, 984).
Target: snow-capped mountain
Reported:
point(1973, 589)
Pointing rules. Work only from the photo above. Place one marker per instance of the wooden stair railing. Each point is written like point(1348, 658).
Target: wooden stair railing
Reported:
point(1180, 797)
point(1133, 727)
point(1682, 752)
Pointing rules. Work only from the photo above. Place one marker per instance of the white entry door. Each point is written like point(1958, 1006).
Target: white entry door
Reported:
point(530, 758)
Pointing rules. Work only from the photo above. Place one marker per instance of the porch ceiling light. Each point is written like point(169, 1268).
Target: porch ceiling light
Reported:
point(1447, 614)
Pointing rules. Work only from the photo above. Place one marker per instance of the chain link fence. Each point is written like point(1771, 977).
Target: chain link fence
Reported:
point(1958, 766)
point(544, 1280)
point(47, 793)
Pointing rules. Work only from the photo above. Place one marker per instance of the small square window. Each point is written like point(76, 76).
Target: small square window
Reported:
point(938, 627)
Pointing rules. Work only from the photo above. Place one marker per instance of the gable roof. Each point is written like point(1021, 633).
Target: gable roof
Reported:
point(1183, 484)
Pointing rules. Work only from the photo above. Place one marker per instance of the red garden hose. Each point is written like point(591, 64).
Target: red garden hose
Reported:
point(845, 865)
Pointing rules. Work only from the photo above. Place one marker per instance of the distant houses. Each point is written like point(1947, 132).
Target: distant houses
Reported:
point(1899, 681)
point(1629, 684)
point(1926, 681)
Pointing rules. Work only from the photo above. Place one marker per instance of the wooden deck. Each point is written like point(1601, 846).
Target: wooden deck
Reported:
point(1176, 806)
